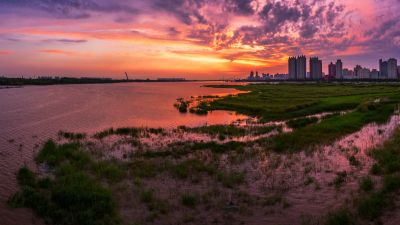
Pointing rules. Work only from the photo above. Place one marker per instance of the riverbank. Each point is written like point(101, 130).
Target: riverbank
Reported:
point(304, 158)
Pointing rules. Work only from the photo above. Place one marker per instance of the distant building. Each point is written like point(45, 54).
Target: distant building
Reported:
point(297, 68)
point(364, 73)
point(348, 74)
point(392, 68)
point(357, 71)
point(315, 68)
point(331, 71)
point(251, 76)
point(374, 74)
point(398, 71)
point(281, 76)
point(257, 76)
point(383, 69)
point(292, 68)
point(339, 69)
point(301, 67)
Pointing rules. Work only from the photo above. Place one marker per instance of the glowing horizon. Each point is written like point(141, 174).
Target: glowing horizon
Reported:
point(195, 39)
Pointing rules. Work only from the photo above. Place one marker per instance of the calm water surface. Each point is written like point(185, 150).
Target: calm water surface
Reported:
point(30, 115)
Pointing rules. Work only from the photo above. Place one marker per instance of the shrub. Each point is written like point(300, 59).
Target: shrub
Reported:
point(366, 184)
point(26, 177)
point(372, 206)
point(189, 200)
point(231, 179)
point(340, 217)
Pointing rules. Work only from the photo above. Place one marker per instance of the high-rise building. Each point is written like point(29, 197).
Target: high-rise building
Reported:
point(297, 68)
point(315, 68)
point(357, 70)
point(398, 71)
point(364, 73)
point(339, 69)
point(301, 67)
point(392, 68)
point(292, 68)
point(383, 69)
point(348, 74)
point(251, 76)
point(331, 71)
point(374, 74)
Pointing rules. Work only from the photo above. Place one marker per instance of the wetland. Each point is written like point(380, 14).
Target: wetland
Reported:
point(292, 154)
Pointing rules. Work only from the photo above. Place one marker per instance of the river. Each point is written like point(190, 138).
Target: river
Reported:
point(33, 114)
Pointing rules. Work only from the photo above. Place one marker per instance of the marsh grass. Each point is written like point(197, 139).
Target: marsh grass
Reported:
point(328, 130)
point(72, 136)
point(287, 101)
point(301, 122)
point(74, 195)
point(373, 201)
point(231, 179)
point(189, 200)
point(230, 131)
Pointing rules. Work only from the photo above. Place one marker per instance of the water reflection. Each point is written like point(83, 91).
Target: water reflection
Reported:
point(32, 114)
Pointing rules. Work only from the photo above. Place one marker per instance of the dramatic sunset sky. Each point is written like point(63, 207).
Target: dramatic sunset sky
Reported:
point(198, 39)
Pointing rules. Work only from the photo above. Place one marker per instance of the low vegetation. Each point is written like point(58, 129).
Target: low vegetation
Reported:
point(373, 202)
point(95, 180)
point(287, 101)
point(75, 195)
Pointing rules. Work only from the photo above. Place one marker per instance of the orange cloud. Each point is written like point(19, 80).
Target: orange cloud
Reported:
point(57, 51)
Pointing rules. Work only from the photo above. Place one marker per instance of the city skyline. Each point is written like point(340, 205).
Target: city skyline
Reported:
point(297, 69)
point(195, 39)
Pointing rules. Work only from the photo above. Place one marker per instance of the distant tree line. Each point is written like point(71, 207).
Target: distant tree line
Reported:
point(68, 80)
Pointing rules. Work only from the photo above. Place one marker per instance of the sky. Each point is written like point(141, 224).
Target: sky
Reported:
point(194, 39)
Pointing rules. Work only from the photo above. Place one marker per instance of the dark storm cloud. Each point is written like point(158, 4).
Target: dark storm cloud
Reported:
point(275, 15)
point(187, 11)
point(241, 7)
point(308, 30)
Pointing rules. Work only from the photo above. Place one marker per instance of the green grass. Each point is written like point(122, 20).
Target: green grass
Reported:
point(231, 131)
point(231, 179)
point(189, 200)
point(340, 217)
point(76, 194)
point(388, 161)
point(367, 102)
point(373, 201)
point(302, 122)
point(367, 184)
point(192, 167)
point(329, 129)
point(72, 136)
point(287, 101)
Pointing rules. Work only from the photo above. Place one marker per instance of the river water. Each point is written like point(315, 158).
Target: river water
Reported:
point(32, 114)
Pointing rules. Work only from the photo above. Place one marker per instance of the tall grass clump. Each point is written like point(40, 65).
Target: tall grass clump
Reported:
point(74, 194)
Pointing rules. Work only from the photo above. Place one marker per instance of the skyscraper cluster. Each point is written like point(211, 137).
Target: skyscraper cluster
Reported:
point(388, 69)
point(297, 68)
